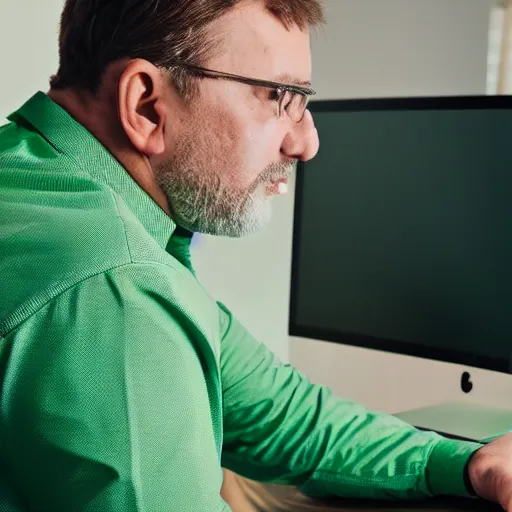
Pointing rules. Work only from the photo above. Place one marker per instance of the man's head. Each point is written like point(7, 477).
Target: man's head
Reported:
point(213, 146)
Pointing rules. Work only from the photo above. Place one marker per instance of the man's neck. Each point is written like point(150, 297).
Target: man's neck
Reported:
point(99, 116)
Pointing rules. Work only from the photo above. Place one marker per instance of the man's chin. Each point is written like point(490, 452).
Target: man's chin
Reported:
point(238, 227)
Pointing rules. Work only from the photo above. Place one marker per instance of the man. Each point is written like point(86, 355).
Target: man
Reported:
point(124, 385)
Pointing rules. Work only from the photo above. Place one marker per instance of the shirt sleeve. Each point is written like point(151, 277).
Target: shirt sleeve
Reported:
point(279, 427)
point(105, 403)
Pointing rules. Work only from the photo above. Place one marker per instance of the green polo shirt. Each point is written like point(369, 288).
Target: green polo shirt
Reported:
point(125, 386)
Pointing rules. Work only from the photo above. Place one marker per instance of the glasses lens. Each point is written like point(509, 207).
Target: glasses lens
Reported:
point(297, 106)
point(285, 100)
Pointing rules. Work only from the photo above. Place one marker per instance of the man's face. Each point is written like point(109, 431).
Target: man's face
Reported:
point(229, 151)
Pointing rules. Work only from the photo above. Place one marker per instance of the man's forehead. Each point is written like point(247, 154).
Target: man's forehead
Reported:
point(255, 43)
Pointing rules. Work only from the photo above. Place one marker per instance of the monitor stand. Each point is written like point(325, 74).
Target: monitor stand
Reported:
point(462, 420)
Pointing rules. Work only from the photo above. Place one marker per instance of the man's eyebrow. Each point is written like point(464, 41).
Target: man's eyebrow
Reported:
point(290, 80)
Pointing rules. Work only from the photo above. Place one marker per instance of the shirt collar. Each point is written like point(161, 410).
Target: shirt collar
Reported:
point(71, 138)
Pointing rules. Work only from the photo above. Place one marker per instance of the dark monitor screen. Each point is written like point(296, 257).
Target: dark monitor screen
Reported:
point(403, 229)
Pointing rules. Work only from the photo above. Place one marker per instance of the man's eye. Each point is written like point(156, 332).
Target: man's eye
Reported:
point(275, 94)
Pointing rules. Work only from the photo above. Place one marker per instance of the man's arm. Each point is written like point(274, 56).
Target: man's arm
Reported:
point(279, 427)
point(105, 403)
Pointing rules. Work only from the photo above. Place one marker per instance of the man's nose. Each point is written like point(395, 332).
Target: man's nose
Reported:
point(301, 142)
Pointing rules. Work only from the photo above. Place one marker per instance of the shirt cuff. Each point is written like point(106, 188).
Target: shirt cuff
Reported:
point(446, 468)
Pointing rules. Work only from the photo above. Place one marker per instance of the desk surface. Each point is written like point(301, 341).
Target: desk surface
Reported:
point(290, 500)
point(248, 496)
point(444, 505)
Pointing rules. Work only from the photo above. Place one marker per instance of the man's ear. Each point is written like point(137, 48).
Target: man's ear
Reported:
point(141, 106)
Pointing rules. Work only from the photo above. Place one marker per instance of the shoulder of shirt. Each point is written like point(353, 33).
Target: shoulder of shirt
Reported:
point(50, 242)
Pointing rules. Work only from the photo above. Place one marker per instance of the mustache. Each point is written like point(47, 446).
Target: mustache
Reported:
point(275, 172)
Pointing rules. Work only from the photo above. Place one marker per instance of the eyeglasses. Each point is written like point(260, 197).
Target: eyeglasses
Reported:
point(291, 99)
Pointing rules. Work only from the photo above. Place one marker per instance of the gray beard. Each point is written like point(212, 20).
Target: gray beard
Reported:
point(203, 204)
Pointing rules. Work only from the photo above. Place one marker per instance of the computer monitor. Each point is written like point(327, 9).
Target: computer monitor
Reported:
point(401, 290)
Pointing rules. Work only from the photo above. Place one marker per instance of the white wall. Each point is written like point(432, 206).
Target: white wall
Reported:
point(402, 47)
point(368, 48)
point(28, 38)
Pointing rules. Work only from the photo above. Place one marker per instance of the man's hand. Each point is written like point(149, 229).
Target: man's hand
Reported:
point(490, 471)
